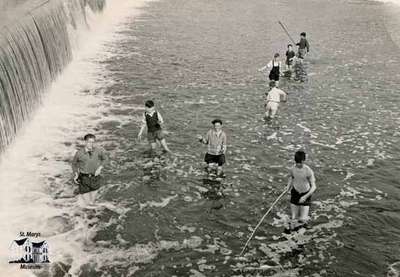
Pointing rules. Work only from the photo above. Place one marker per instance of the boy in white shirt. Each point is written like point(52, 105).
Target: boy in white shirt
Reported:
point(272, 100)
point(301, 185)
point(275, 66)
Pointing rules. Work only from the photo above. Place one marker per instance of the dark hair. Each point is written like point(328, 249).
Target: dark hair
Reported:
point(299, 156)
point(276, 55)
point(89, 136)
point(290, 45)
point(216, 121)
point(272, 84)
point(303, 34)
point(149, 103)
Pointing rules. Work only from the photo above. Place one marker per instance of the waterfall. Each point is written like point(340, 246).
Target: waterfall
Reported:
point(35, 46)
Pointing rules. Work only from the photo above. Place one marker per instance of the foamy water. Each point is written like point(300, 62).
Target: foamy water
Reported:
point(36, 169)
point(392, 23)
point(36, 193)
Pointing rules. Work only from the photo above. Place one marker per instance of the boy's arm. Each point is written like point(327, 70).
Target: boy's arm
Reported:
point(103, 157)
point(143, 126)
point(74, 163)
point(263, 68)
point(202, 139)
point(266, 99)
point(284, 94)
point(160, 119)
point(103, 160)
point(75, 167)
point(223, 147)
point(290, 181)
point(313, 187)
point(307, 46)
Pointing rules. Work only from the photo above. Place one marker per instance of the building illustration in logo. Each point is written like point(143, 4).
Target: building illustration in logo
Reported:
point(26, 251)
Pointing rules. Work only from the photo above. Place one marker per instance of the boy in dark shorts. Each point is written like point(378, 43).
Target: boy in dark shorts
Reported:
point(290, 54)
point(302, 186)
point(275, 66)
point(216, 142)
point(87, 165)
point(153, 121)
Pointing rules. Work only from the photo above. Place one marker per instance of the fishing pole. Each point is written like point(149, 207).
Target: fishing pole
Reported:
point(262, 219)
point(291, 38)
point(287, 32)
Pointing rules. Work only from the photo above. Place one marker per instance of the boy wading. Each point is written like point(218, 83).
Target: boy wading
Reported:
point(87, 165)
point(290, 54)
point(302, 186)
point(304, 46)
point(216, 146)
point(153, 121)
point(275, 66)
point(154, 132)
point(272, 101)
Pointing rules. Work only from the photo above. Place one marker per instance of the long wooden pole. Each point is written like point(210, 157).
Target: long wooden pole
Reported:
point(262, 219)
point(287, 32)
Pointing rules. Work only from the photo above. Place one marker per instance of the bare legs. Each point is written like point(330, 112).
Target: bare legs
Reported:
point(163, 143)
point(211, 166)
point(299, 215)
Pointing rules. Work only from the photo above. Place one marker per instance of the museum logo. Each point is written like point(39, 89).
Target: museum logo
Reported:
point(28, 253)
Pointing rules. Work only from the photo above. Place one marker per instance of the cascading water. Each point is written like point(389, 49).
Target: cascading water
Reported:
point(35, 192)
point(35, 46)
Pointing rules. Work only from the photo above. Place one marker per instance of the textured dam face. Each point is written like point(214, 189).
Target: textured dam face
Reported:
point(35, 47)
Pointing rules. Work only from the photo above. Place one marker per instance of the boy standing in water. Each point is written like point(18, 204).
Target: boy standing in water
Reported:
point(216, 142)
point(290, 54)
point(274, 65)
point(153, 121)
point(272, 100)
point(303, 45)
point(302, 186)
point(87, 165)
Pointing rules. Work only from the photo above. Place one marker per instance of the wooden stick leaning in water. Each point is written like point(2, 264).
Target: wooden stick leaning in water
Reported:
point(262, 219)
point(287, 32)
point(290, 37)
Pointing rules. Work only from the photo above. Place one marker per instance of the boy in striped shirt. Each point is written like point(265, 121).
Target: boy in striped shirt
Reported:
point(216, 146)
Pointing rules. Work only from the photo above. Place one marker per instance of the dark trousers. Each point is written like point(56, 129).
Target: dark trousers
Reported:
point(88, 182)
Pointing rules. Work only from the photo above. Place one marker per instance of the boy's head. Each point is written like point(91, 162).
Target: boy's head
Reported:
point(299, 156)
point(303, 34)
point(289, 47)
point(217, 124)
point(89, 141)
point(149, 105)
point(276, 55)
point(272, 84)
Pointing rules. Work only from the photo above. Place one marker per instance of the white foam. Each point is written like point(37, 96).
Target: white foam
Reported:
point(397, 2)
point(164, 202)
point(39, 151)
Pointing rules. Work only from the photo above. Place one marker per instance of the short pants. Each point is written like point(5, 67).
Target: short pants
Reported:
point(274, 75)
point(271, 108)
point(154, 136)
point(295, 198)
point(88, 182)
point(218, 159)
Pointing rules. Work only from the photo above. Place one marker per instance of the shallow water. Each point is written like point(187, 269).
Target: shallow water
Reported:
point(198, 60)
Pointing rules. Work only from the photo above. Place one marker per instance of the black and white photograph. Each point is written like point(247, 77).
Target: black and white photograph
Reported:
point(199, 138)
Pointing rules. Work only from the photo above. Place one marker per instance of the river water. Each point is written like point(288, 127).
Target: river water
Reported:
point(198, 60)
